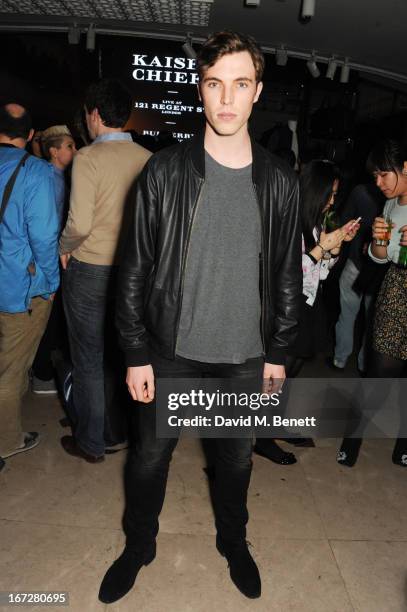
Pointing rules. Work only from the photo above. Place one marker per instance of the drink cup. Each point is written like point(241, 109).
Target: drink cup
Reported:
point(386, 234)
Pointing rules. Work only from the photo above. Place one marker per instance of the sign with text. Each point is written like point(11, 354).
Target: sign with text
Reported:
point(164, 85)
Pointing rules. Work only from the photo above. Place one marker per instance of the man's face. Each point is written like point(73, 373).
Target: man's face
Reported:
point(228, 91)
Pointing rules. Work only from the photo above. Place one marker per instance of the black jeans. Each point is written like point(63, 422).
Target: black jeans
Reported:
point(148, 463)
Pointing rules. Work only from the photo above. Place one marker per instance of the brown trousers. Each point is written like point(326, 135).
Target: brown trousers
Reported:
point(20, 335)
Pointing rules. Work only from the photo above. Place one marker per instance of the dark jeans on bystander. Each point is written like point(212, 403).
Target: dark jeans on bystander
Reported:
point(89, 301)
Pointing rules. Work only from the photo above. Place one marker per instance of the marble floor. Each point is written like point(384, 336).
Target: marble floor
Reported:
point(326, 538)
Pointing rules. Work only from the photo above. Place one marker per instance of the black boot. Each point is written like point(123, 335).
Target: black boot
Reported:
point(242, 567)
point(268, 448)
point(121, 576)
point(399, 456)
point(349, 452)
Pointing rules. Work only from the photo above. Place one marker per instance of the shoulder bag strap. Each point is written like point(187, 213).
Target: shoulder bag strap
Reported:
point(10, 184)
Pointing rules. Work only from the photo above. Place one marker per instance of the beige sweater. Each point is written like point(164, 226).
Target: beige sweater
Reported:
point(102, 176)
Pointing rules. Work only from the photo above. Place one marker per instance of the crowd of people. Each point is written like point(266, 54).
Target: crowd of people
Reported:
point(112, 258)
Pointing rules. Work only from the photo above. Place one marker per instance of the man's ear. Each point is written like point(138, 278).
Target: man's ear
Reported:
point(96, 116)
point(52, 151)
point(259, 89)
point(404, 168)
point(30, 135)
point(199, 92)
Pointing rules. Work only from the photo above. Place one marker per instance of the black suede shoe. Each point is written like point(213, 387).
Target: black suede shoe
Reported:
point(121, 576)
point(399, 456)
point(349, 452)
point(400, 459)
point(265, 447)
point(242, 567)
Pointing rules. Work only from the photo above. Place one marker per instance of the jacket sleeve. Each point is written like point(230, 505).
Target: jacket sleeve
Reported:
point(136, 267)
point(287, 279)
point(43, 225)
point(82, 203)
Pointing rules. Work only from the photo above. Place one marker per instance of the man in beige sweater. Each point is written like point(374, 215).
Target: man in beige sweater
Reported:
point(103, 174)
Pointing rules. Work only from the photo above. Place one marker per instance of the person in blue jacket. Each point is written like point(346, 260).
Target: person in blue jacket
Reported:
point(29, 271)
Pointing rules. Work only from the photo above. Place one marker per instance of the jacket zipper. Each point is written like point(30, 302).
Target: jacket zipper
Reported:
point(184, 263)
point(262, 297)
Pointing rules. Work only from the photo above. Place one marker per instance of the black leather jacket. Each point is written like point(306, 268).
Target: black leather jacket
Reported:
point(153, 266)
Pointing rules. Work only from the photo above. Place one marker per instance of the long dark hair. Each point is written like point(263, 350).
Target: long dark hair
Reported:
point(316, 183)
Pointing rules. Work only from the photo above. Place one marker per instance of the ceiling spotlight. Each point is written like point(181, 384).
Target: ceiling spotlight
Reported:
point(188, 48)
point(281, 57)
point(74, 35)
point(345, 71)
point(91, 38)
point(252, 2)
point(330, 71)
point(312, 67)
point(308, 9)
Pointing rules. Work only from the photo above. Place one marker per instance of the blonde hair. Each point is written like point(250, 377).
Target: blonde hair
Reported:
point(53, 137)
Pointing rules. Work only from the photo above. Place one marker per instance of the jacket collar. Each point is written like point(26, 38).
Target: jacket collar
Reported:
point(198, 156)
point(198, 152)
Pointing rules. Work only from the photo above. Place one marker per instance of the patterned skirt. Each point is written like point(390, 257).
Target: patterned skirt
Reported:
point(390, 321)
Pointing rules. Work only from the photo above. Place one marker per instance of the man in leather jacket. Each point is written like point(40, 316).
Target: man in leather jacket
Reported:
point(215, 218)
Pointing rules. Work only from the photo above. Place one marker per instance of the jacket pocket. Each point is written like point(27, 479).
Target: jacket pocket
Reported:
point(38, 282)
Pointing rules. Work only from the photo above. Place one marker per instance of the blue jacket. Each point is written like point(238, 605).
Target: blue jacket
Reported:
point(29, 264)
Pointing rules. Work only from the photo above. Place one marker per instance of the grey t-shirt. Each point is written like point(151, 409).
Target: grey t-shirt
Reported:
point(221, 310)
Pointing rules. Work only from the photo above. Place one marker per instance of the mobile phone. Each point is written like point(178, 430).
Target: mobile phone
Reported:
point(354, 223)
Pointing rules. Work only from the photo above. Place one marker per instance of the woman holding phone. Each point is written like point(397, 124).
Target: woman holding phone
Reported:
point(319, 183)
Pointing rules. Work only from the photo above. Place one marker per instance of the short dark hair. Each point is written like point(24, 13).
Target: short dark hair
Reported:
point(15, 127)
point(387, 156)
point(224, 43)
point(112, 100)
